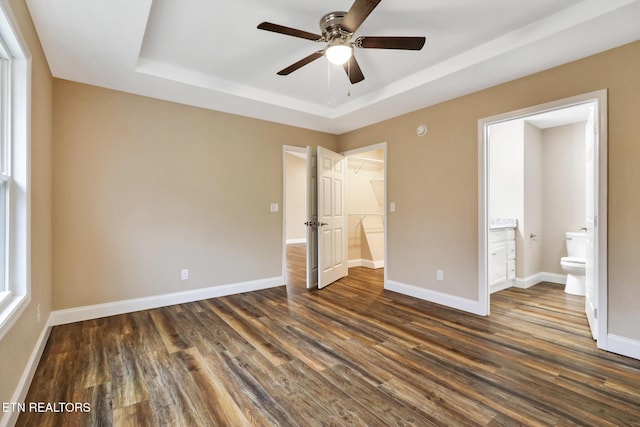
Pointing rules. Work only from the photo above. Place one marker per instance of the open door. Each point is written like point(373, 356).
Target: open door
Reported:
point(591, 293)
point(332, 217)
point(312, 218)
point(326, 217)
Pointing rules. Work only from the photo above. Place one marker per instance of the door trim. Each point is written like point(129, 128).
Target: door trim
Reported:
point(599, 97)
point(354, 152)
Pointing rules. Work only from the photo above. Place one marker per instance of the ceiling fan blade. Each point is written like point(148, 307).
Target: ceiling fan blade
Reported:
point(304, 61)
point(359, 11)
point(281, 29)
point(353, 70)
point(404, 43)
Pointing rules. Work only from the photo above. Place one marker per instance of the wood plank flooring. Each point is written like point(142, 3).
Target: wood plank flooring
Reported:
point(350, 354)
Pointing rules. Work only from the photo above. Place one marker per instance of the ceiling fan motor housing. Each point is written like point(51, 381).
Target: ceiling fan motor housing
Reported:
point(331, 26)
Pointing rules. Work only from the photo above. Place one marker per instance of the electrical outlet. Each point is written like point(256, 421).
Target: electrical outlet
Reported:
point(439, 275)
point(184, 274)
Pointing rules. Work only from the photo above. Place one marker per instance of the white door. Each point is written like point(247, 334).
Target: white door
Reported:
point(312, 218)
point(591, 292)
point(332, 217)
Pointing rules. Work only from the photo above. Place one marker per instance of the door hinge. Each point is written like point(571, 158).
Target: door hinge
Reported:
point(595, 220)
point(595, 313)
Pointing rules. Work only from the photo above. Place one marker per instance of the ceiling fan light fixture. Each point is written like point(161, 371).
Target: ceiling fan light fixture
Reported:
point(339, 53)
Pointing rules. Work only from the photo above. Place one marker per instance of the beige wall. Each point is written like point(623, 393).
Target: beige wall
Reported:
point(564, 181)
point(16, 347)
point(434, 180)
point(143, 188)
point(296, 208)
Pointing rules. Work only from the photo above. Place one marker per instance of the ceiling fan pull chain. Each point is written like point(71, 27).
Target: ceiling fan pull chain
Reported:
point(328, 83)
point(349, 76)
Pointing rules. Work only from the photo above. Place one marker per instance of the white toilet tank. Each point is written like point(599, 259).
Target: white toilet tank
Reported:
point(576, 244)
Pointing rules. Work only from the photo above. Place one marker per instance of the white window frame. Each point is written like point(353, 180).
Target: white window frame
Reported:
point(15, 132)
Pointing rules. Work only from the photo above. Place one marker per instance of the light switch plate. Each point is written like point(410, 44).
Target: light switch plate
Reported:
point(274, 207)
point(392, 207)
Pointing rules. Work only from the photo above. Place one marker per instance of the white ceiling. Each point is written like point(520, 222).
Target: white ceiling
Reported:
point(560, 117)
point(209, 53)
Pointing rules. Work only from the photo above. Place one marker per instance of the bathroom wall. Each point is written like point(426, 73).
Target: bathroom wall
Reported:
point(531, 248)
point(538, 176)
point(564, 186)
point(506, 177)
point(296, 196)
point(365, 202)
point(515, 187)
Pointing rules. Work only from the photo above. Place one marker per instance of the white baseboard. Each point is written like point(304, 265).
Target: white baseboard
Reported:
point(500, 286)
point(624, 346)
point(452, 301)
point(77, 314)
point(366, 263)
point(534, 279)
point(20, 393)
point(296, 241)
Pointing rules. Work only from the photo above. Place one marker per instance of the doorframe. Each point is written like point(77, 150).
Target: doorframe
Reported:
point(354, 152)
point(600, 98)
point(286, 149)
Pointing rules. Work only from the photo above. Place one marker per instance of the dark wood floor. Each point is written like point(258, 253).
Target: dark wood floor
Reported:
point(350, 354)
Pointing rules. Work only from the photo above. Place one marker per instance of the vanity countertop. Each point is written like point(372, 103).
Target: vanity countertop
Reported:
point(500, 223)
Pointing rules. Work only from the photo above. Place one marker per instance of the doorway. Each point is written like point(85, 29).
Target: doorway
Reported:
point(365, 204)
point(529, 229)
point(366, 189)
point(294, 196)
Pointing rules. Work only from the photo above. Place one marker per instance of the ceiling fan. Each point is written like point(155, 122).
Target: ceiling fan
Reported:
point(337, 30)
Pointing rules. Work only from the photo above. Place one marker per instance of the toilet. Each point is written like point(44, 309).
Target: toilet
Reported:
point(574, 263)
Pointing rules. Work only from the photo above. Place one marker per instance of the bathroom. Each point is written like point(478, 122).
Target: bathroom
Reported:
point(537, 193)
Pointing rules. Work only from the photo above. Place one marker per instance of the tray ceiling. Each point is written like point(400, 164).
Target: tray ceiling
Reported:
point(210, 54)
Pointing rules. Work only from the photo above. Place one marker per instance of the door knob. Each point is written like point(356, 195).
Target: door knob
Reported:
point(323, 223)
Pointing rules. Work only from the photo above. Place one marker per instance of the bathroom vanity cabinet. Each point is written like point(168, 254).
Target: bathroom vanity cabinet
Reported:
point(502, 258)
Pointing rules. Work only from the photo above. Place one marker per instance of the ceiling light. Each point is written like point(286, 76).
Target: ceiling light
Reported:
point(339, 53)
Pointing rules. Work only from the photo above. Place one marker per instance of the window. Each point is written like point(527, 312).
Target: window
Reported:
point(5, 172)
point(14, 191)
